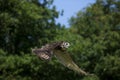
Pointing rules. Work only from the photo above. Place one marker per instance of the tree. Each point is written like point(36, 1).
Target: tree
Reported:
point(94, 35)
point(100, 28)
point(26, 23)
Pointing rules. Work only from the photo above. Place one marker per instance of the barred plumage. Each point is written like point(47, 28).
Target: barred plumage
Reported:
point(59, 50)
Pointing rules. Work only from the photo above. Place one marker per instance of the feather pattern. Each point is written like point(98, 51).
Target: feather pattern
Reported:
point(67, 61)
point(59, 50)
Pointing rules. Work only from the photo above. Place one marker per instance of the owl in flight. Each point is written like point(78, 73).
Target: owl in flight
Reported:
point(58, 49)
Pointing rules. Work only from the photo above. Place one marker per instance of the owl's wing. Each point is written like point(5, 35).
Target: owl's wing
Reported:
point(46, 51)
point(51, 46)
point(42, 53)
point(67, 61)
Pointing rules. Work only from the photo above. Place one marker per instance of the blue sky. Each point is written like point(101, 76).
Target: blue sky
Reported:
point(70, 7)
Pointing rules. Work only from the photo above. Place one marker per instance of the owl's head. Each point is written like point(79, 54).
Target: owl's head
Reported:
point(65, 45)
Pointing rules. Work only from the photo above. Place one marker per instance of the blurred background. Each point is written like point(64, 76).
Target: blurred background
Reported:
point(93, 30)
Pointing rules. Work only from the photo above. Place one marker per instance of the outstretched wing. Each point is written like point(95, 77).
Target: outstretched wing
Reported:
point(67, 61)
point(46, 51)
point(51, 46)
point(43, 54)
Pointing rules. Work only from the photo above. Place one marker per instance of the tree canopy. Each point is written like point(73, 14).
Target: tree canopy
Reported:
point(94, 35)
point(26, 23)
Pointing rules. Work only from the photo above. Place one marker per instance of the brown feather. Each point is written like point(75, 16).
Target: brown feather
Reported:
point(46, 52)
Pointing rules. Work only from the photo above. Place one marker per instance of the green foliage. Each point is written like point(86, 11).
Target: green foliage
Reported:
point(25, 24)
point(100, 31)
point(110, 67)
point(29, 67)
point(94, 35)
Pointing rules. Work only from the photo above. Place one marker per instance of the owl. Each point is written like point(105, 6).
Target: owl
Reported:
point(59, 50)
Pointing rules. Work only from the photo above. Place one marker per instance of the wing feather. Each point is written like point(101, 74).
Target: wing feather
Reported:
point(67, 61)
point(46, 52)
point(51, 46)
point(43, 54)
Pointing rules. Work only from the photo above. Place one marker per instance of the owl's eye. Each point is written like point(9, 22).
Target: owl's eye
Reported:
point(66, 43)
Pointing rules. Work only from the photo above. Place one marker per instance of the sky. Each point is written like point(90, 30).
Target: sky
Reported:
point(70, 7)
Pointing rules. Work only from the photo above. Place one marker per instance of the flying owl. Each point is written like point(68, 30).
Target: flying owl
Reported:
point(58, 49)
